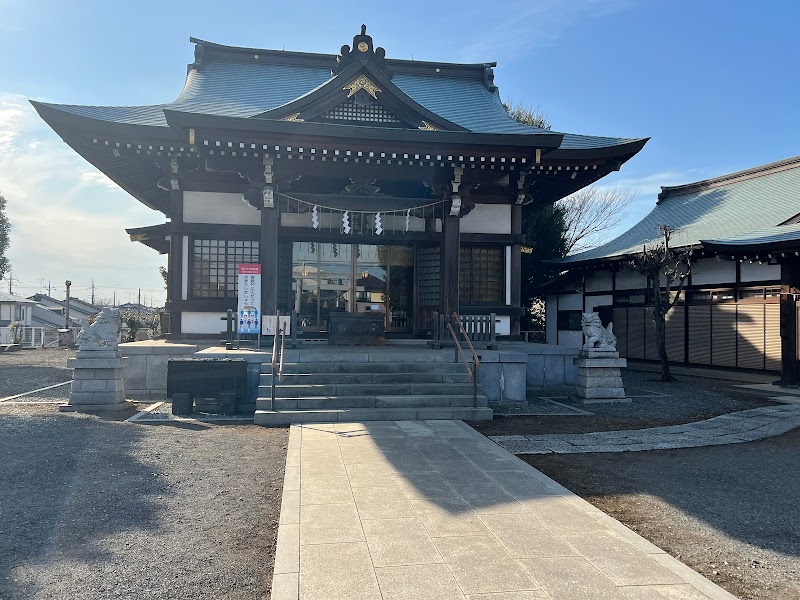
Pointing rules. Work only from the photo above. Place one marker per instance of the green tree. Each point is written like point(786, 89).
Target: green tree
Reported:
point(5, 234)
point(572, 224)
point(545, 232)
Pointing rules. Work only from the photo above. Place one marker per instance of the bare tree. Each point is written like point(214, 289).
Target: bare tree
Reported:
point(666, 271)
point(526, 115)
point(591, 212)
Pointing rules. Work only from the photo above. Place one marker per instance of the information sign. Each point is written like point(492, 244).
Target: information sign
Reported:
point(249, 313)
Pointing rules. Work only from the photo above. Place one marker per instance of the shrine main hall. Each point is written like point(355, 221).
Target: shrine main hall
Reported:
point(359, 183)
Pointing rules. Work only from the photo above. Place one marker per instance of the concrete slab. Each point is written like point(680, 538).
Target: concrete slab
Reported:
point(457, 528)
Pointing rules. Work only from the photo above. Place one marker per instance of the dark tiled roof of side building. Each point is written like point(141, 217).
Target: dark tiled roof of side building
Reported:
point(747, 205)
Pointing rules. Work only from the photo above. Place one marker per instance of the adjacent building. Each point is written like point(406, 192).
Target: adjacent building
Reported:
point(739, 308)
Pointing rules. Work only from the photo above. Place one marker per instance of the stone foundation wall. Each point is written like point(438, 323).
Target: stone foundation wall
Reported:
point(146, 371)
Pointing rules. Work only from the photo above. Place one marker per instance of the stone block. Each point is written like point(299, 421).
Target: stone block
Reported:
point(600, 392)
point(95, 354)
point(597, 353)
point(96, 363)
point(93, 385)
point(598, 371)
point(136, 372)
point(610, 381)
point(83, 374)
point(156, 375)
point(553, 370)
point(535, 370)
point(600, 362)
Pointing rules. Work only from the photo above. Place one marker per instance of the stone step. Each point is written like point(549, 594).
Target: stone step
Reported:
point(365, 378)
point(388, 401)
point(369, 389)
point(287, 417)
point(368, 367)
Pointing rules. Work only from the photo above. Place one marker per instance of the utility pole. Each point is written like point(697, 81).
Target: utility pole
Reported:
point(140, 298)
point(48, 288)
point(68, 283)
point(10, 279)
point(92, 280)
point(114, 302)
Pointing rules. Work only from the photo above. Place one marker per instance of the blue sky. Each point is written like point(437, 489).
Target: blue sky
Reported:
point(714, 83)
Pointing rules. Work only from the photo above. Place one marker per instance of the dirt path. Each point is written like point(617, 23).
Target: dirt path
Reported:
point(729, 512)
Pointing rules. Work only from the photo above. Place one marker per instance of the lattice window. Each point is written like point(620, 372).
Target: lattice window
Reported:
point(428, 276)
point(481, 275)
point(215, 264)
point(372, 112)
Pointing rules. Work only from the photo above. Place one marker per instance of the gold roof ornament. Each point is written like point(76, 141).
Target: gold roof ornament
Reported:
point(362, 82)
point(295, 117)
point(428, 127)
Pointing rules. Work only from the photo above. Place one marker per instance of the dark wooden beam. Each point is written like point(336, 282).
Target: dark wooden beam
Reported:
point(268, 247)
point(516, 266)
point(449, 272)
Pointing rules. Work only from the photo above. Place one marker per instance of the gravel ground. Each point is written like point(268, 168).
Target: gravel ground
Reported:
point(27, 370)
point(653, 404)
point(729, 512)
point(100, 508)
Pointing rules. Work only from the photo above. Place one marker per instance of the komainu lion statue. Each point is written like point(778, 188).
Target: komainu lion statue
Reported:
point(103, 334)
point(597, 336)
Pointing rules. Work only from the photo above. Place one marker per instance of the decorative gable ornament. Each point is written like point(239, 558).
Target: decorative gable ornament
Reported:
point(362, 51)
point(362, 82)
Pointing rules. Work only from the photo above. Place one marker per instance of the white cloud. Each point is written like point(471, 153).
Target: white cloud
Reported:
point(527, 25)
point(68, 219)
point(98, 178)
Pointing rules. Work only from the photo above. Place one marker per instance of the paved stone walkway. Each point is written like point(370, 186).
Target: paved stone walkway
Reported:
point(733, 428)
point(433, 510)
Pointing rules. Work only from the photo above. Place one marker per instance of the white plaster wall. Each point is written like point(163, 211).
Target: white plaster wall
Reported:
point(215, 207)
point(502, 325)
point(759, 271)
point(592, 302)
point(570, 339)
point(487, 218)
point(550, 333)
point(710, 271)
point(570, 302)
point(202, 322)
point(599, 281)
point(630, 280)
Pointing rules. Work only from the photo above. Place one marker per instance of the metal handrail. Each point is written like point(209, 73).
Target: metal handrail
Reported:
point(475, 356)
point(277, 351)
point(476, 361)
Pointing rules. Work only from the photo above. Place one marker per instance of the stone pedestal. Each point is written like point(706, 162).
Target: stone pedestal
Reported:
point(599, 377)
point(97, 381)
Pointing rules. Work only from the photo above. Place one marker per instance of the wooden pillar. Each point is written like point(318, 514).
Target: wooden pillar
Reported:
point(175, 261)
point(268, 244)
point(516, 266)
point(790, 282)
point(450, 263)
point(268, 247)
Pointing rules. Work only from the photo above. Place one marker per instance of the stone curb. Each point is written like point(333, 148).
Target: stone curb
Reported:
point(732, 428)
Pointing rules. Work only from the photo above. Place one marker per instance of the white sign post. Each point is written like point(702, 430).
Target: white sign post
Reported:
point(249, 313)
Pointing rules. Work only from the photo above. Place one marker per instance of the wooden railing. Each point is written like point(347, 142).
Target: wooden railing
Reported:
point(481, 329)
point(476, 360)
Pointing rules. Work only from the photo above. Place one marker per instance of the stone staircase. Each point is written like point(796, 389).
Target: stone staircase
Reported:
point(330, 386)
